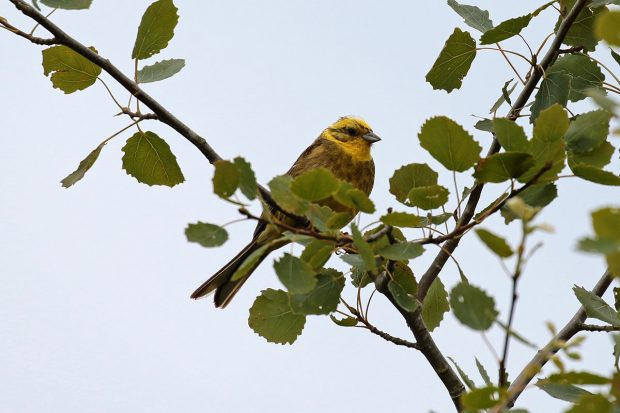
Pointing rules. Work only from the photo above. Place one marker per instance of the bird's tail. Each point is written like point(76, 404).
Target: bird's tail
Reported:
point(225, 288)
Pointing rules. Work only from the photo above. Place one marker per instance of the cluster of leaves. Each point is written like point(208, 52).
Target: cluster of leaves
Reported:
point(147, 157)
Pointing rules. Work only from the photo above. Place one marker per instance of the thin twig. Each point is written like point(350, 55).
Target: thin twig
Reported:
point(514, 69)
point(367, 325)
point(507, 51)
point(34, 39)
point(546, 353)
point(595, 328)
point(503, 375)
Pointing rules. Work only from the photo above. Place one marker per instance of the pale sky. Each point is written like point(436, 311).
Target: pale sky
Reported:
point(96, 278)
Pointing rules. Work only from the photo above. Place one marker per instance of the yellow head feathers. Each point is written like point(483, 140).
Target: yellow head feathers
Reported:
point(353, 135)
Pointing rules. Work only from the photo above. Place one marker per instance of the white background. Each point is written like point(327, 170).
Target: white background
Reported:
point(94, 303)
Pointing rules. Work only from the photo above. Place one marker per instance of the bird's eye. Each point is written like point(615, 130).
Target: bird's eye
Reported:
point(350, 130)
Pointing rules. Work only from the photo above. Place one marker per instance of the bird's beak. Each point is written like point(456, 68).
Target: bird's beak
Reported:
point(370, 137)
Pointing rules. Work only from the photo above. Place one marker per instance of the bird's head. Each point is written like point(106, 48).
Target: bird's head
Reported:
point(353, 135)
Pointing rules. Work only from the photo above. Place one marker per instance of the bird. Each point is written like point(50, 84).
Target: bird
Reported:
point(344, 149)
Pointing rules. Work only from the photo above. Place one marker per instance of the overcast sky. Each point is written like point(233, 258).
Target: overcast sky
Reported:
point(96, 279)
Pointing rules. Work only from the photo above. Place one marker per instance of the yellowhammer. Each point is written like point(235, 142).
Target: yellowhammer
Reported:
point(344, 149)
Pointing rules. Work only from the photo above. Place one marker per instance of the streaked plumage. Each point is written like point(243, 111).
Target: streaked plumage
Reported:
point(344, 149)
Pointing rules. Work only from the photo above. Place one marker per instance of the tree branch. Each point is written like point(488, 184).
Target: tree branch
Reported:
point(599, 329)
point(574, 326)
point(440, 260)
point(34, 39)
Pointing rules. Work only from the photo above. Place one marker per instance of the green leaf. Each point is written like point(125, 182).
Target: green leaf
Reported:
point(440, 219)
point(339, 220)
point(581, 32)
point(247, 179)
point(297, 276)
point(225, 178)
point(552, 124)
point(601, 3)
point(315, 184)
point(404, 300)
point(156, 29)
point(592, 403)
point(485, 125)
point(510, 135)
point(483, 373)
point(401, 251)
point(473, 16)
point(539, 196)
point(503, 166)
point(598, 157)
point(403, 219)
point(355, 199)
point(83, 167)
point(599, 246)
point(319, 215)
point(578, 377)
point(606, 223)
point(596, 307)
point(67, 4)
point(323, 298)
point(160, 70)
point(280, 188)
point(435, 305)
point(148, 158)
point(588, 131)
point(207, 235)
point(345, 321)
point(495, 243)
point(505, 30)
point(428, 197)
point(596, 175)
point(359, 278)
point(570, 78)
point(505, 97)
point(554, 88)
point(482, 398)
point(473, 307)
point(363, 248)
point(584, 73)
point(271, 317)
point(468, 382)
point(355, 261)
point(543, 153)
point(411, 176)
point(449, 143)
point(453, 62)
point(566, 392)
point(317, 252)
point(70, 71)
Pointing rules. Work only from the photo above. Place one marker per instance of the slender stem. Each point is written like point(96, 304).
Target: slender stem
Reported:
point(36, 40)
point(111, 94)
point(514, 69)
point(507, 51)
point(503, 375)
point(595, 328)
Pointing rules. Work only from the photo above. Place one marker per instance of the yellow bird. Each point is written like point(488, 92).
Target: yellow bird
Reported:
point(344, 149)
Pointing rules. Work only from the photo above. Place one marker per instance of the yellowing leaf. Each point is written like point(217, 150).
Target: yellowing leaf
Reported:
point(70, 71)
